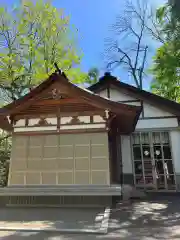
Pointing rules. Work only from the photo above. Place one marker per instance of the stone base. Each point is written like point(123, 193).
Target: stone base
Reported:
point(128, 178)
point(130, 192)
point(59, 201)
point(177, 176)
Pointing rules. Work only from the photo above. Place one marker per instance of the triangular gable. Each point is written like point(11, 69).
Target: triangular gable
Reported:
point(60, 81)
point(66, 87)
point(110, 81)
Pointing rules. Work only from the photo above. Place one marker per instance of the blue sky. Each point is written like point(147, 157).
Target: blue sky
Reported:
point(93, 19)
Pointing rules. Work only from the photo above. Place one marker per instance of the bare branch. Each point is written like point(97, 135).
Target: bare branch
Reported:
point(117, 62)
point(139, 45)
point(150, 25)
point(143, 65)
point(131, 67)
point(132, 56)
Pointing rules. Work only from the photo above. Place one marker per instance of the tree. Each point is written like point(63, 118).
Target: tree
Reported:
point(5, 151)
point(32, 38)
point(93, 75)
point(166, 65)
point(175, 8)
point(166, 70)
point(129, 49)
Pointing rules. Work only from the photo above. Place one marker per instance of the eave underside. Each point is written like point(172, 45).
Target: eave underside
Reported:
point(68, 99)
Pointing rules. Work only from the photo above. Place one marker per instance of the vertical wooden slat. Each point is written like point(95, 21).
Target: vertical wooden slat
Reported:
point(58, 119)
point(152, 159)
point(161, 145)
point(142, 160)
point(91, 119)
point(26, 122)
point(74, 161)
point(90, 159)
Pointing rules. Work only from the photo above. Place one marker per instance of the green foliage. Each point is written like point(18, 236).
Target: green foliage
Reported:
point(5, 150)
point(175, 9)
point(166, 67)
point(160, 13)
point(93, 76)
point(32, 38)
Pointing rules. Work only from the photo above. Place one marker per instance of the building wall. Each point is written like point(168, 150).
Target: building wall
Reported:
point(126, 160)
point(152, 111)
point(103, 93)
point(156, 124)
point(119, 96)
point(60, 159)
point(153, 119)
point(148, 109)
point(175, 144)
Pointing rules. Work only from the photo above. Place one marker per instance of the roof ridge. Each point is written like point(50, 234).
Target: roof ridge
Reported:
point(150, 97)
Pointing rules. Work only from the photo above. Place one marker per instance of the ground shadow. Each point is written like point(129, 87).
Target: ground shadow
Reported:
point(156, 218)
point(152, 219)
point(60, 218)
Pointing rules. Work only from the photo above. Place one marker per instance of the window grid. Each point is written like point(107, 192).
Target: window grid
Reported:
point(152, 166)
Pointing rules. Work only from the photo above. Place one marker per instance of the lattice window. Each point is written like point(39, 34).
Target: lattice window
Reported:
point(152, 160)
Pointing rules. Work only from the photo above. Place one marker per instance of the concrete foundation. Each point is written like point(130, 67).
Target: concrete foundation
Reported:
point(59, 201)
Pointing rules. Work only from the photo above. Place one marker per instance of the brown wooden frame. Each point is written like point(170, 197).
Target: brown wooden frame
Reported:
point(52, 132)
point(76, 95)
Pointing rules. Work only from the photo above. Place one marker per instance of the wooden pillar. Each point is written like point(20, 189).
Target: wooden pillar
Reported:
point(113, 155)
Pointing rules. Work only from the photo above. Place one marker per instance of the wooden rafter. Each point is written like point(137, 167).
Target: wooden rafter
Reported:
point(69, 98)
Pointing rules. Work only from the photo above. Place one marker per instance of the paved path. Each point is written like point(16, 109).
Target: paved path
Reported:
point(145, 220)
point(52, 218)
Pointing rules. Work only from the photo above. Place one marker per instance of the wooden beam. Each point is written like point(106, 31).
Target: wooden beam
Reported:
point(63, 114)
point(57, 102)
point(26, 122)
point(55, 132)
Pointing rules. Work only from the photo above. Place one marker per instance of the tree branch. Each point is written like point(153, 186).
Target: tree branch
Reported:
point(142, 67)
point(133, 57)
point(133, 70)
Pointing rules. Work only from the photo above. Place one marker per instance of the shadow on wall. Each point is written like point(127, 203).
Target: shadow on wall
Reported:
point(153, 219)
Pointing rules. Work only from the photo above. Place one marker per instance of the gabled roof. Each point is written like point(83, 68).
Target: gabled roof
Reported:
point(60, 80)
point(107, 80)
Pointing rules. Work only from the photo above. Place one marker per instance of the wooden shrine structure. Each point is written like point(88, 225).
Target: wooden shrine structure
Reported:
point(65, 144)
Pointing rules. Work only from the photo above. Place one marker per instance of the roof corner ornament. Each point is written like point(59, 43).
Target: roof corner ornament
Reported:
point(42, 122)
point(9, 119)
point(64, 75)
point(106, 118)
point(106, 114)
point(58, 70)
point(56, 94)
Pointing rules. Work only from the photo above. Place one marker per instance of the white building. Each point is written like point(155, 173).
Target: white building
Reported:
point(150, 156)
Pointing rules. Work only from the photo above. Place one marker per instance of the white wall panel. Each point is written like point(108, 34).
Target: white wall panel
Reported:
point(175, 144)
point(126, 154)
point(152, 111)
point(119, 96)
point(157, 123)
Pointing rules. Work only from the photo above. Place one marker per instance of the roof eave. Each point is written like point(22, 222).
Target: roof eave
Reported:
point(168, 105)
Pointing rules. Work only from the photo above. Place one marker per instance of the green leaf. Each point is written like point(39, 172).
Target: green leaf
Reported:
point(160, 13)
point(42, 36)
